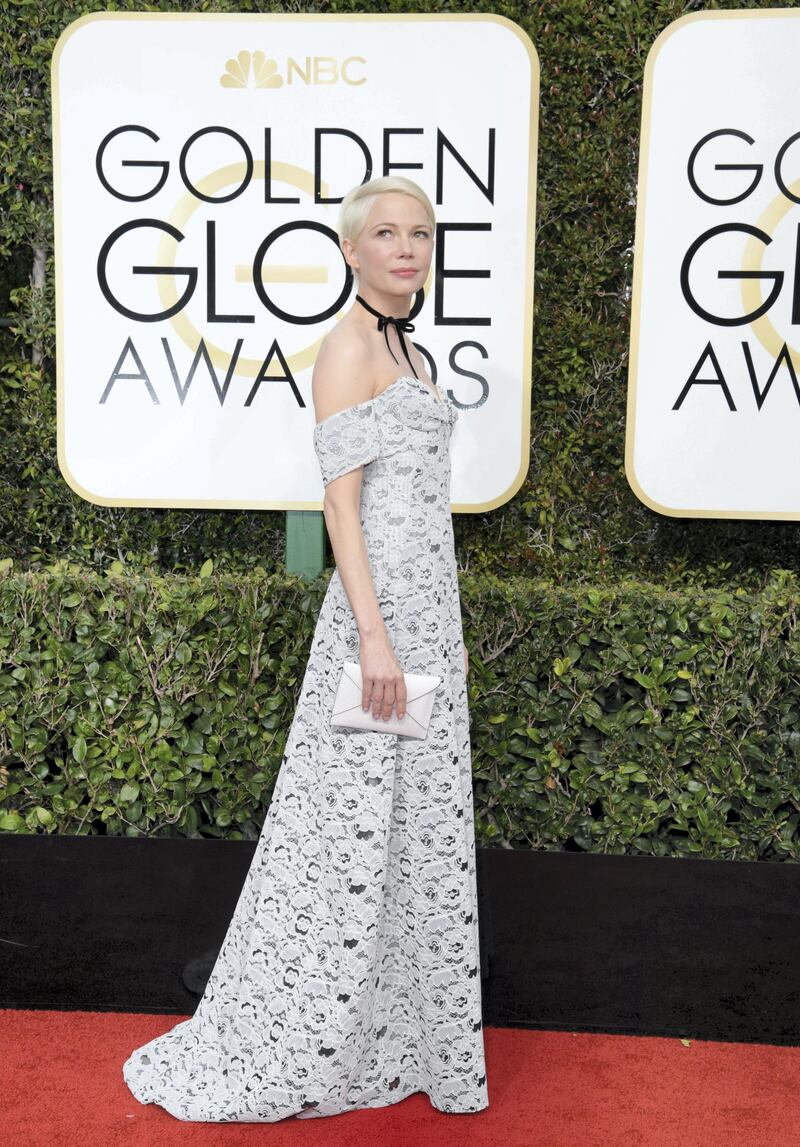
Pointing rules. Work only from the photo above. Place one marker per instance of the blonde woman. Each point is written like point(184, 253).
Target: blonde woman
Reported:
point(349, 976)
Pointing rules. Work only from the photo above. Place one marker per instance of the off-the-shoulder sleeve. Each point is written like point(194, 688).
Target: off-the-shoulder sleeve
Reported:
point(347, 439)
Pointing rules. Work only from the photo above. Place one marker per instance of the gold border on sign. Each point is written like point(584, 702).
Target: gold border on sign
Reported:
point(638, 260)
point(530, 235)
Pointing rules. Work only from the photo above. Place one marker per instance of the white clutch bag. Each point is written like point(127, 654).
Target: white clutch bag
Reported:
point(420, 694)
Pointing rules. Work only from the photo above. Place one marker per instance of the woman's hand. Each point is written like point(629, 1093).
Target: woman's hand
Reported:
point(466, 660)
point(383, 684)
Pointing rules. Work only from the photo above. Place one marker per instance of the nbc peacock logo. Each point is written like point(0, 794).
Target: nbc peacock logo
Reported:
point(254, 70)
point(251, 70)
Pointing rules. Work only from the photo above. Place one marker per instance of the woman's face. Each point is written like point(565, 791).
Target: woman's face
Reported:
point(397, 236)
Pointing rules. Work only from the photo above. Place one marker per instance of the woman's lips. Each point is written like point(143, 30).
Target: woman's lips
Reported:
point(404, 274)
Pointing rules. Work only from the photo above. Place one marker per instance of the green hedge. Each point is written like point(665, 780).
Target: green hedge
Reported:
point(625, 720)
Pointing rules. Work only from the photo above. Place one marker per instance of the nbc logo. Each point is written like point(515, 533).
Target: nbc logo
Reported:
point(254, 70)
point(264, 72)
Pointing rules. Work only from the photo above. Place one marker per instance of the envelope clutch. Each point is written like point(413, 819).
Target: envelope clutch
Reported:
point(420, 694)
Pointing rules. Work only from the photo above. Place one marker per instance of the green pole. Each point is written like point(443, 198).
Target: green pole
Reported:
point(305, 542)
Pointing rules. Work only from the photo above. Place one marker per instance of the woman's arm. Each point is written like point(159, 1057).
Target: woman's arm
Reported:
point(340, 380)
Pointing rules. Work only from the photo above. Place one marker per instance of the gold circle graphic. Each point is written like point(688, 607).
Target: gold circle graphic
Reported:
point(763, 327)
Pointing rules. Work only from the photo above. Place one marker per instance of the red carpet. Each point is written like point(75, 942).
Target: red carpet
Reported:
point(62, 1085)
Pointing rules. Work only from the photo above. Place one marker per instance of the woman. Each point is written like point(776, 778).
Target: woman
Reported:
point(349, 976)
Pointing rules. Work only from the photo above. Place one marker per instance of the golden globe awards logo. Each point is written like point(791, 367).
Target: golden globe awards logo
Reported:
point(714, 397)
point(760, 289)
point(197, 190)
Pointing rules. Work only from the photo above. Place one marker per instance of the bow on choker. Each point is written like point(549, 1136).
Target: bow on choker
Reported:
point(400, 326)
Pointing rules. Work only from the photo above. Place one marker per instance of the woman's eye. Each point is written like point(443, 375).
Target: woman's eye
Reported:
point(385, 231)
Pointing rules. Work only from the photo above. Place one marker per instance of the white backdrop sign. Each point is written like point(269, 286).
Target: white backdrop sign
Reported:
point(714, 397)
point(200, 161)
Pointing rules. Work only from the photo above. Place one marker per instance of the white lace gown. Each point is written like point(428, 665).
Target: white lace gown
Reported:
point(349, 976)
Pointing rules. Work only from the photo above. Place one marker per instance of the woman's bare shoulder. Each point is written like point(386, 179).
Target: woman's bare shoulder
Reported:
point(343, 373)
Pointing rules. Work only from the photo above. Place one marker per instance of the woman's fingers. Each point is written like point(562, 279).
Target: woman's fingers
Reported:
point(400, 697)
point(394, 696)
point(384, 696)
point(376, 693)
point(384, 709)
point(383, 685)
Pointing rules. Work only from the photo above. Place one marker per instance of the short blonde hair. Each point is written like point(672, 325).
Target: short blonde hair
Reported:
point(357, 204)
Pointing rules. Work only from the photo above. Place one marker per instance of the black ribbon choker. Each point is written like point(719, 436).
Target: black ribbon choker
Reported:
point(399, 324)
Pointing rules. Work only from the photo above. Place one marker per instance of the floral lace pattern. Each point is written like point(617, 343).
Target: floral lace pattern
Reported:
point(349, 976)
